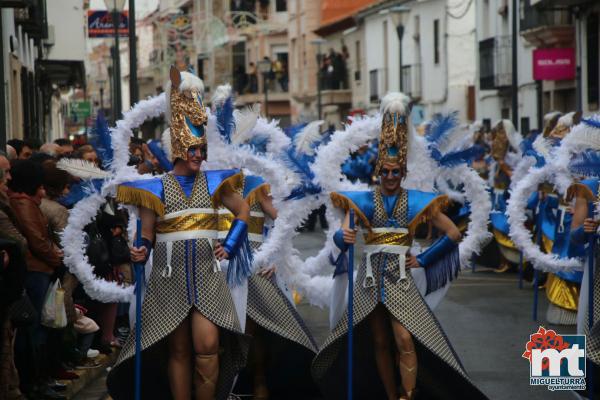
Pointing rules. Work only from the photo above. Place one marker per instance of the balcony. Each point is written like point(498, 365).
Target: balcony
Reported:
point(411, 80)
point(544, 27)
point(495, 63)
point(33, 19)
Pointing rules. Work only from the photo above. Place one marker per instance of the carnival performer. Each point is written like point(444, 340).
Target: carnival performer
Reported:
point(393, 326)
point(554, 225)
point(279, 336)
point(190, 329)
point(504, 138)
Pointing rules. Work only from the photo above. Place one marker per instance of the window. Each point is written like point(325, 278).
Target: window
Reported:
point(373, 86)
point(436, 41)
point(281, 5)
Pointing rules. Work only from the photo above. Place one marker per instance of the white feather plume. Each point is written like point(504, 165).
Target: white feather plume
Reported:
point(542, 146)
point(306, 137)
point(395, 102)
point(245, 121)
point(222, 92)
point(82, 169)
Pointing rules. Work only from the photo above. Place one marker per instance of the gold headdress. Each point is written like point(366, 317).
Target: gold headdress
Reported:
point(186, 112)
point(393, 139)
point(564, 124)
point(550, 121)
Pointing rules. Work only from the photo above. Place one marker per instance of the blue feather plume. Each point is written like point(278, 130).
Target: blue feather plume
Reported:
point(101, 141)
point(300, 164)
point(258, 143)
point(586, 164)
point(440, 126)
point(292, 130)
point(161, 156)
point(462, 156)
point(80, 191)
point(225, 119)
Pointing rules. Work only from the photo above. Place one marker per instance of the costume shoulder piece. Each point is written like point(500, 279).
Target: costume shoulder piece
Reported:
point(587, 188)
point(143, 193)
point(362, 202)
point(222, 181)
point(422, 206)
point(255, 188)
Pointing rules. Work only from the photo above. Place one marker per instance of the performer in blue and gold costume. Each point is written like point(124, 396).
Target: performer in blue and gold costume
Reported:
point(190, 329)
point(394, 329)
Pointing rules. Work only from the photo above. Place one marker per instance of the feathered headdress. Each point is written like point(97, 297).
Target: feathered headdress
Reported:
point(186, 112)
point(565, 123)
point(395, 124)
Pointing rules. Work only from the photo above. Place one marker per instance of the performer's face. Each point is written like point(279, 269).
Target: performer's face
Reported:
point(195, 156)
point(391, 177)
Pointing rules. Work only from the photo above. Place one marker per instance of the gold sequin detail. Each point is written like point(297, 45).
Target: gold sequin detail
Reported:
point(183, 106)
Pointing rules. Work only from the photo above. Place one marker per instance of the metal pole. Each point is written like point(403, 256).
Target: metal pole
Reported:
point(117, 62)
point(578, 51)
point(266, 88)
point(133, 81)
point(2, 94)
point(139, 277)
point(319, 78)
point(350, 309)
point(102, 99)
point(515, 66)
point(540, 106)
point(400, 32)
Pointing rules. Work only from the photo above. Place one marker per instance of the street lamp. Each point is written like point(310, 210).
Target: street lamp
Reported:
point(264, 67)
point(400, 12)
point(318, 42)
point(116, 6)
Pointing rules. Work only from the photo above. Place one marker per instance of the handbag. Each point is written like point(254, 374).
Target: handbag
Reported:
point(54, 314)
point(97, 252)
point(21, 312)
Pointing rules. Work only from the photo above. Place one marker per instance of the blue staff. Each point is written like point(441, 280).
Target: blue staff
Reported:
point(139, 268)
point(590, 372)
point(350, 306)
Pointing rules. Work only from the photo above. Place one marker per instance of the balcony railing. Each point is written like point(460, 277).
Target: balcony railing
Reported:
point(411, 80)
point(495, 63)
point(536, 17)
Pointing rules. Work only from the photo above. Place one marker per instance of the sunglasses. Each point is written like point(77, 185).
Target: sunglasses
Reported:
point(385, 172)
point(197, 152)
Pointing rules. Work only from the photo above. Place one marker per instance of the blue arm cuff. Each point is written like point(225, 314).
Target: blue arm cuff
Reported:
point(578, 236)
point(338, 239)
point(238, 248)
point(235, 237)
point(441, 262)
point(437, 250)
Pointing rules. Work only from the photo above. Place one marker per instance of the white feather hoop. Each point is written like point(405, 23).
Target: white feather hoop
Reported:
point(73, 237)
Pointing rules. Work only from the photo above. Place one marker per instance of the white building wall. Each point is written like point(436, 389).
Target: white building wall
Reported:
point(69, 31)
point(444, 85)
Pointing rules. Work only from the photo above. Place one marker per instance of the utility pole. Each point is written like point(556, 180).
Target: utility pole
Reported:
point(2, 94)
point(515, 66)
point(133, 81)
point(117, 64)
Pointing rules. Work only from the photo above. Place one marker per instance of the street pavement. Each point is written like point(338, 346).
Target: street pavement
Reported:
point(485, 315)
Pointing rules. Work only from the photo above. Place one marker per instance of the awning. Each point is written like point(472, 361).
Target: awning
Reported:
point(61, 73)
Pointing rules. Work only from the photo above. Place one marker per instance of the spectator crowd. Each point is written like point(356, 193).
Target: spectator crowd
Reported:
point(49, 328)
